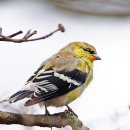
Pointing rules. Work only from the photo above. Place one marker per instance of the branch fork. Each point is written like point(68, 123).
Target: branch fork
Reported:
point(28, 35)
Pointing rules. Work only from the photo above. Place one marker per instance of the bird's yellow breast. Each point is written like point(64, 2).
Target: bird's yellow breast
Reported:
point(64, 99)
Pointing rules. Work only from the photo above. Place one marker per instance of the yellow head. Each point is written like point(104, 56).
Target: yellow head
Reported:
point(84, 51)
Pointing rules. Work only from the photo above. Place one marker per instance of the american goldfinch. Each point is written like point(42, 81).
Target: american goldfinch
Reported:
point(60, 79)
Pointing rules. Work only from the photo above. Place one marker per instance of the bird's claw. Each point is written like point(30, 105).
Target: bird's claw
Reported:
point(69, 109)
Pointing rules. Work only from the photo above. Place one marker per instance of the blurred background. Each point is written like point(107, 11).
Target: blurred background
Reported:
point(105, 24)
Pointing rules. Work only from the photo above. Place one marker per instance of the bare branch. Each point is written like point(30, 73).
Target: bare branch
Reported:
point(28, 32)
point(56, 120)
point(15, 34)
point(0, 31)
point(28, 35)
point(31, 34)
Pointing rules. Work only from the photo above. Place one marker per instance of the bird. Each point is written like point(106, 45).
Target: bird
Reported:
point(60, 79)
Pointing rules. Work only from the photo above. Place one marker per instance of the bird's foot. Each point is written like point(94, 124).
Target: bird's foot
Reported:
point(69, 109)
point(47, 113)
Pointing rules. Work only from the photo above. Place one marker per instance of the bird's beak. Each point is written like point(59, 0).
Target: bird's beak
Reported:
point(94, 57)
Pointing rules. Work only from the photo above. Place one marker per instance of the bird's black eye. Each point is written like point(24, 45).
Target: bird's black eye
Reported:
point(89, 50)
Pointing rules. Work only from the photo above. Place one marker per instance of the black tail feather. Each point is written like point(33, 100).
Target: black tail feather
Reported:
point(20, 95)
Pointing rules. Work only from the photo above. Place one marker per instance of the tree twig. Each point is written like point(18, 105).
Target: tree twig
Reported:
point(15, 34)
point(28, 35)
point(56, 120)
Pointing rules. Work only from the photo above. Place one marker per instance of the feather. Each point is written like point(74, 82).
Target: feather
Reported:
point(51, 84)
point(20, 95)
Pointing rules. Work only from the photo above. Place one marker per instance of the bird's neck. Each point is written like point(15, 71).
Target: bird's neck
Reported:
point(90, 62)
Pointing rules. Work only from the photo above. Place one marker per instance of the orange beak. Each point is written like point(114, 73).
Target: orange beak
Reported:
point(94, 57)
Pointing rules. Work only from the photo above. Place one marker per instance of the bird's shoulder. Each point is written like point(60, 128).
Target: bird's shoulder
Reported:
point(63, 61)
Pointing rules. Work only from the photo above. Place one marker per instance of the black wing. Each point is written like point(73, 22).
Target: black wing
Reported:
point(33, 76)
point(50, 84)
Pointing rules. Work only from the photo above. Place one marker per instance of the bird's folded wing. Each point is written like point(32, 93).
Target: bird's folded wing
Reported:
point(56, 80)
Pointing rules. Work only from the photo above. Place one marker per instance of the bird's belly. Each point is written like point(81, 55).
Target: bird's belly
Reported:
point(64, 99)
